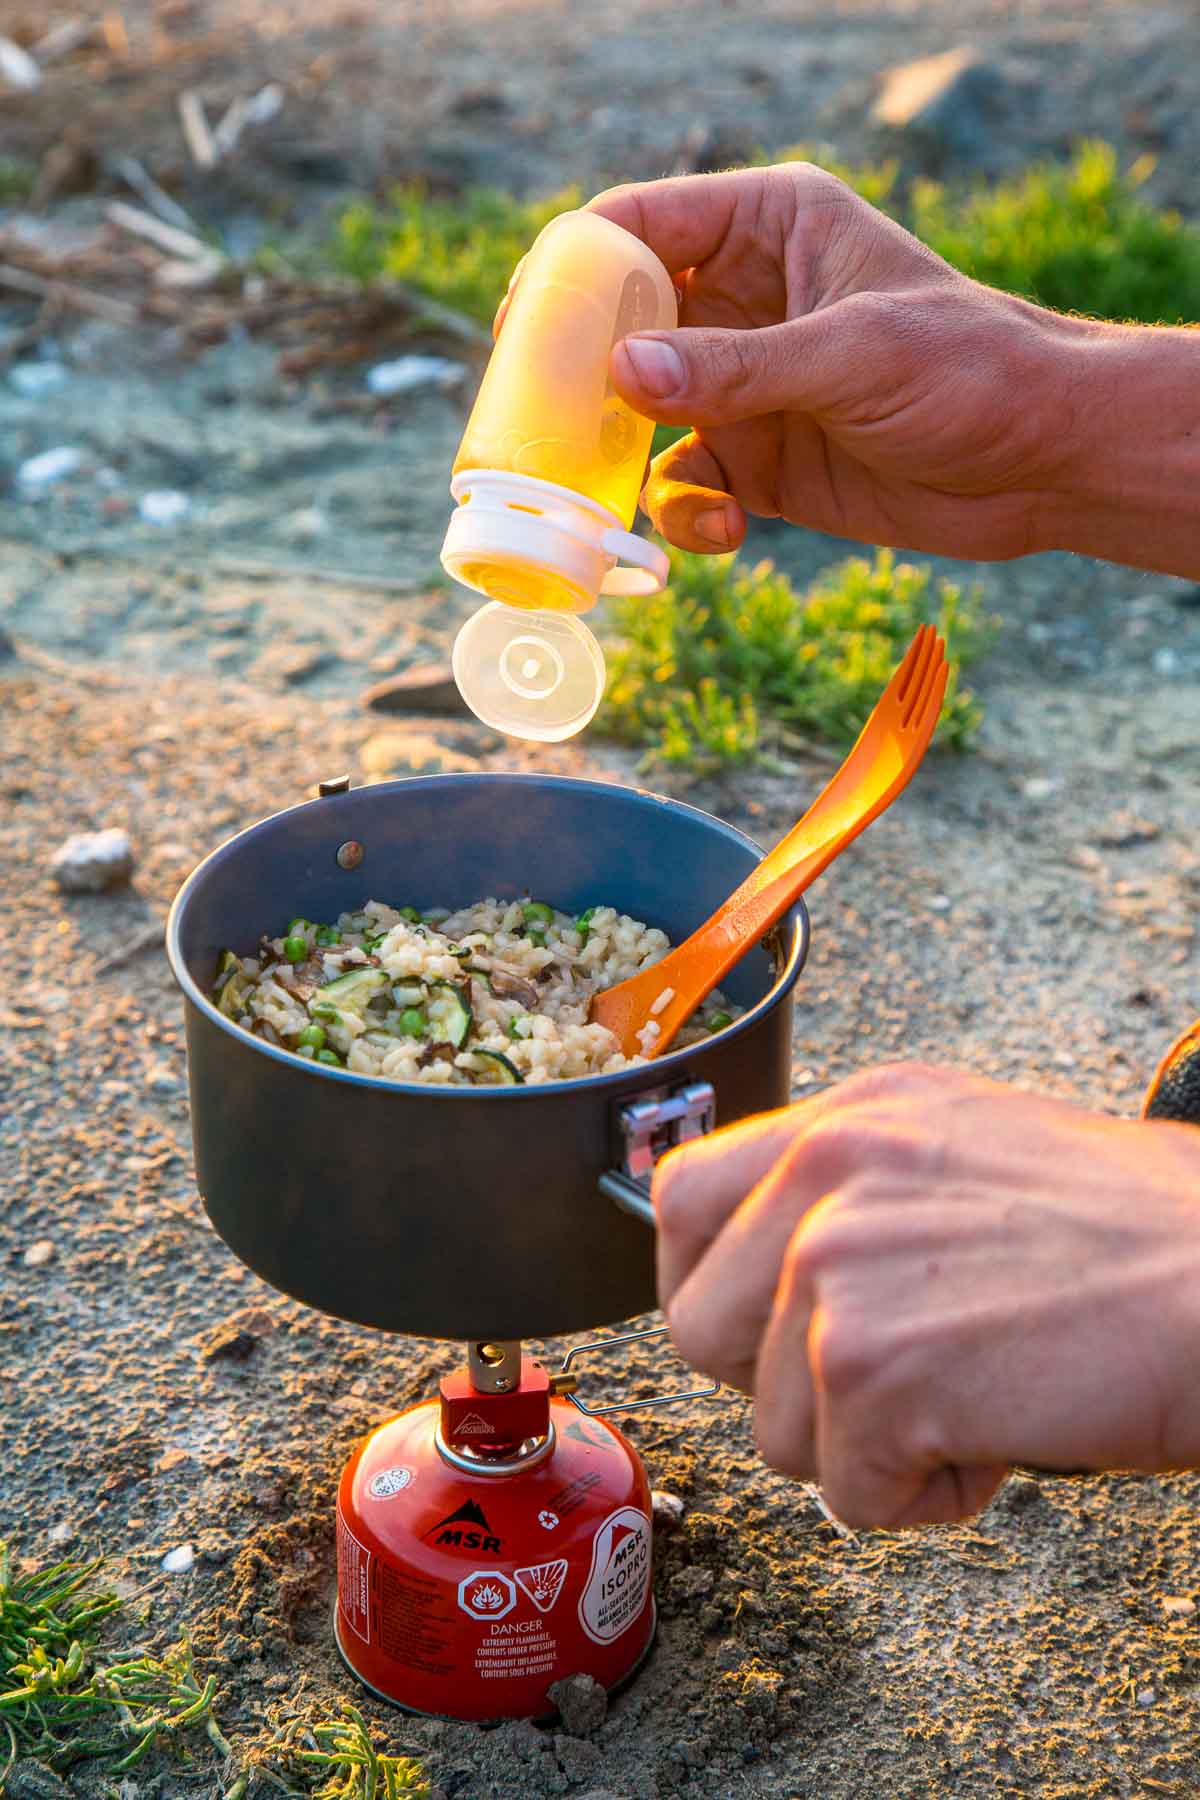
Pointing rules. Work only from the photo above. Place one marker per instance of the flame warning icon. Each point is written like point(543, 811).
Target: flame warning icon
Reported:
point(543, 1582)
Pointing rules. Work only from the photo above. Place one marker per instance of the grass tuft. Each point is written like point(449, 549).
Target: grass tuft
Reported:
point(730, 661)
point(1078, 238)
point(461, 252)
point(339, 1753)
point(62, 1701)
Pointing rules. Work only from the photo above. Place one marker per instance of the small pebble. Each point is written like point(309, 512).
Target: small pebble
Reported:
point(51, 466)
point(939, 903)
point(667, 1508)
point(1039, 787)
point(1177, 1606)
point(164, 506)
point(91, 861)
point(32, 379)
point(161, 1079)
point(1146, 1697)
point(37, 1255)
point(409, 372)
point(179, 1560)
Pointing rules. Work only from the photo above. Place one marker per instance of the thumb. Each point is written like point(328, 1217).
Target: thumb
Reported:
point(698, 376)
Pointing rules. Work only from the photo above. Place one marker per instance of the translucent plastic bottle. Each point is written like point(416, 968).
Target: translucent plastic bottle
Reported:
point(547, 479)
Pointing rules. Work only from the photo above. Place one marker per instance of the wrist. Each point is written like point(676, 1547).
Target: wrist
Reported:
point(1121, 478)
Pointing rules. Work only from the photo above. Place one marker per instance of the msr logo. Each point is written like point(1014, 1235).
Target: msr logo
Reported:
point(466, 1529)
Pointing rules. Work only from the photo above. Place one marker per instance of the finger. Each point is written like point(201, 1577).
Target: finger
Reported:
point(720, 1313)
point(698, 1186)
point(703, 376)
point(784, 1393)
point(686, 500)
point(868, 1481)
point(684, 219)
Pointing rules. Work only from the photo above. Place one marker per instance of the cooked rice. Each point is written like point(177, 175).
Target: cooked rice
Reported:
point(525, 973)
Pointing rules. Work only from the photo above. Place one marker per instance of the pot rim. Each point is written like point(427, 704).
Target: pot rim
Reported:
point(673, 1063)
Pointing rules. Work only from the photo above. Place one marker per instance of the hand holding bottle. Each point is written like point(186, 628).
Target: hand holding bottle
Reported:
point(840, 375)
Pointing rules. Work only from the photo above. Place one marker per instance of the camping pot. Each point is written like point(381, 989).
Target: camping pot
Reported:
point(455, 1211)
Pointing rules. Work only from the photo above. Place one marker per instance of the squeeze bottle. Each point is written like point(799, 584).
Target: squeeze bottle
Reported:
point(547, 479)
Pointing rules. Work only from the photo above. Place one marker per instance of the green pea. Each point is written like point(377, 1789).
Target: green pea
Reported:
point(537, 936)
point(331, 1057)
point(325, 1009)
point(411, 1022)
point(411, 914)
point(583, 923)
point(538, 913)
point(298, 927)
point(295, 948)
point(328, 934)
point(314, 1035)
point(719, 1021)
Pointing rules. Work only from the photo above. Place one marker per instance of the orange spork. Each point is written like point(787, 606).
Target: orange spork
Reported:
point(880, 766)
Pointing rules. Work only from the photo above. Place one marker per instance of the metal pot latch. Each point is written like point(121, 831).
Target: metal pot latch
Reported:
point(650, 1127)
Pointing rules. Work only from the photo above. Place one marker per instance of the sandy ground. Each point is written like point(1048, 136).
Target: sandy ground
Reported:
point(1026, 913)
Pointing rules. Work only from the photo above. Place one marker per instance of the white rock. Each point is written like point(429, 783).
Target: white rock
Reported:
point(164, 506)
point(667, 1508)
point(17, 67)
point(939, 903)
point(1038, 787)
point(39, 1254)
point(409, 372)
point(51, 466)
point(179, 1560)
point(91, 861)
point(162, 1079)
point(307, 523)
point(36, 378)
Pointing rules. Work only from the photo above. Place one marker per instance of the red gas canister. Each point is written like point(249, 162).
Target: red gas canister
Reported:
point(475, 1570)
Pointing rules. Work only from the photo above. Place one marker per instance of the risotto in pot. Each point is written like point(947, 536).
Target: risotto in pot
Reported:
point(496, 994)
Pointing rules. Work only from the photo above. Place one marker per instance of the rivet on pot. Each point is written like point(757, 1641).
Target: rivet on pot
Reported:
point(337, 784)
point(350, 854)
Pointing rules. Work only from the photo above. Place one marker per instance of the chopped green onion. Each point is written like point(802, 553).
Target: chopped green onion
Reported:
point(328, 934)
point(314, 1035)
point(330, 1056)
point(719, 1021)
point(537, 913)
point(537, 936)
point(411, 1022)
point(521, 1026)
point(583, 923)
point(295, 948)
point(411, 914)
point(324, 1009)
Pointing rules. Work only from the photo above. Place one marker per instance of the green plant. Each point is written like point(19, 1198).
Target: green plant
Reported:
point(1077, 237)
point(61, 1701)
point(341, 1751)
point(730, 660)
point(461, 252)
point(16, 181)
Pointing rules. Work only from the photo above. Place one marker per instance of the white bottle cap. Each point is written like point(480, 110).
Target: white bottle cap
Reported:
point(524, 667)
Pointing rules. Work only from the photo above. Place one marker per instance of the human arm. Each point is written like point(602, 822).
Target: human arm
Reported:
point(840, 375)
point(925, 1277)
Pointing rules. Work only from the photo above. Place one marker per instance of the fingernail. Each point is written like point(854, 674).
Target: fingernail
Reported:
point(658, 367)
point(713, 527)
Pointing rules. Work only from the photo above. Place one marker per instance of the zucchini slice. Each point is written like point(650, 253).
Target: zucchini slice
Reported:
point(449, 1012)
point(232, 989)
point(506, 1074)
point(352, 991)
